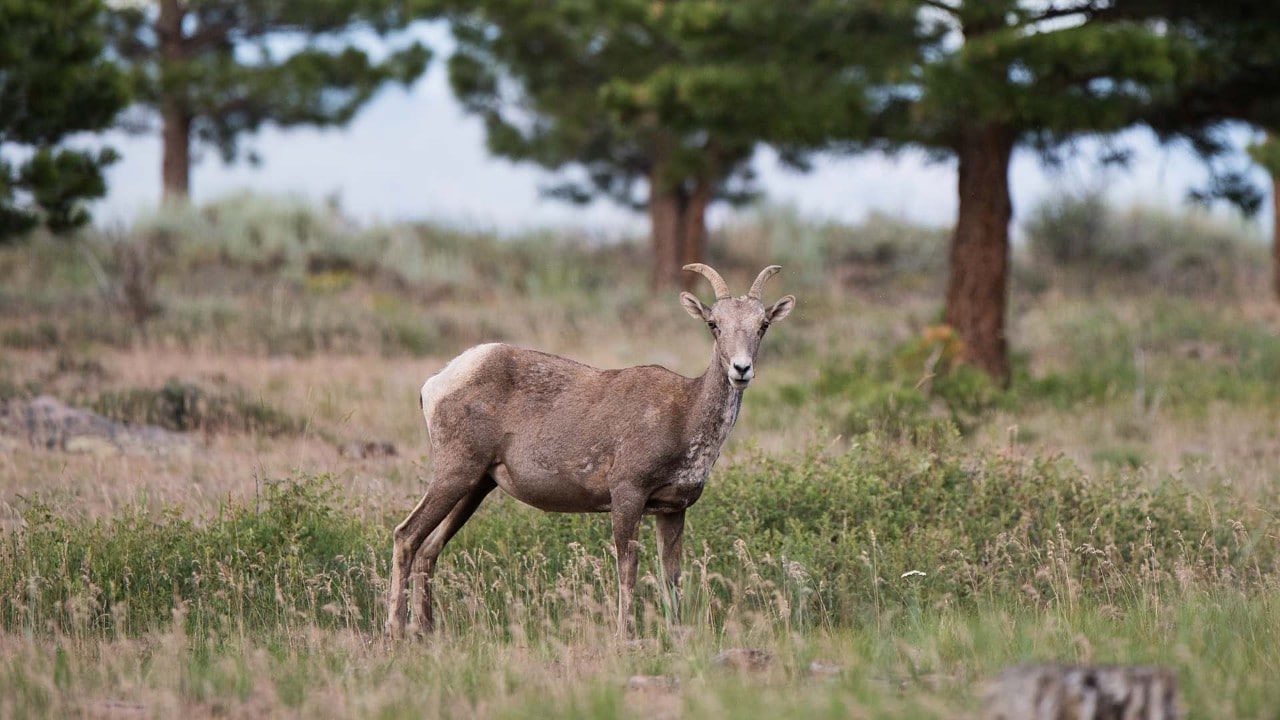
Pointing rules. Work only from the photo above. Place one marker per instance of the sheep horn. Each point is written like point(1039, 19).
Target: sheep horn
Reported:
point(761, 279)
point(717, 282)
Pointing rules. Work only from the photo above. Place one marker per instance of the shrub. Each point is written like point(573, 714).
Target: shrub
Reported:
point(1185, 252)
point(879, 250)
point(923, 392)
point(187, 407)
point(1067, 230)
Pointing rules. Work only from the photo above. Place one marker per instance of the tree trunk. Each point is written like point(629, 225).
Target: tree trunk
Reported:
point(665, 214)
point(177, 152)
point(679, 227)
point(694, 223)
point(176, 163)
point(977, 289)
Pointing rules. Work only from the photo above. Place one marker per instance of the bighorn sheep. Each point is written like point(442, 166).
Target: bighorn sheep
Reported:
point(565, 437)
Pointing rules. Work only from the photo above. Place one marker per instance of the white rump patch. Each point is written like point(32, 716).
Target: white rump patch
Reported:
point(456, 374)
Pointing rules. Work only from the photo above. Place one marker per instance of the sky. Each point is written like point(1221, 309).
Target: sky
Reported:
point(415, 155)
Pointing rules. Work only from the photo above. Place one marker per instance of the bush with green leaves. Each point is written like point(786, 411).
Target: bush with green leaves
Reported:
point(923, 391)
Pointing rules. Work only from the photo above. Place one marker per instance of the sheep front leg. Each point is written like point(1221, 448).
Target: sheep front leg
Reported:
point(626, 526)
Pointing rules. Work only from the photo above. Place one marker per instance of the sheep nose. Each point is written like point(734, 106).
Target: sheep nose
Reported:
point(742, 368)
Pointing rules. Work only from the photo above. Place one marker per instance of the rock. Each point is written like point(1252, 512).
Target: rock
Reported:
point(45, 422)
point(653, 683)
point(744, 659)
point(366, 450)
point(1065, 692)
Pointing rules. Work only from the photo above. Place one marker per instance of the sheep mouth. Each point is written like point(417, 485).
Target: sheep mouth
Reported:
point(739, 383)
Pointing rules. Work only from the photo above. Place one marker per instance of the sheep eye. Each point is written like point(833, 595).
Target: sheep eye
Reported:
point(714, 327)
point(763, 327)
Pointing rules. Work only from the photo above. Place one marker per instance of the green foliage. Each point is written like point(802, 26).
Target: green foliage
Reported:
point(1069, 229)
point(293, 555)
point(321, 250)
point(835, 535)
point(880, 251)
point(222, 75)
point(1017, 69)
point(1187, 252)
point(923, 393)
point(1267, 154)
point(628, 98)
point(188, 407)
point(1236, 54)
point(53, 83)
point(1179, 353)
point(987, 76)
point(925, 665)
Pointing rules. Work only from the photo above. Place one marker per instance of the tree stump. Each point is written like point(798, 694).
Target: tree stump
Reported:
point(1066, 692)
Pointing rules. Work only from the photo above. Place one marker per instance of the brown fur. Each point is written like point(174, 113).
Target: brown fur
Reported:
point(566, 437)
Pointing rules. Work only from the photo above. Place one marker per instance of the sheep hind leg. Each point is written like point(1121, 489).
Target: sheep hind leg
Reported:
point(424, 563)
point(671, 543)
point(450, 484)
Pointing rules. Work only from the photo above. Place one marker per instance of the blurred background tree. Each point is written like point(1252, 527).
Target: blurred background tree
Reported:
point(215, 70)
point(1233, 83)
point(994, 75)
point(661, 106)
point(53, 82)
point(1267, 155)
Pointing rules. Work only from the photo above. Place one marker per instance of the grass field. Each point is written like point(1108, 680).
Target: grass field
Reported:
point(889, 527)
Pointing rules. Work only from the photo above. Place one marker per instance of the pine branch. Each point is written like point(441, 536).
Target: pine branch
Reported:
point(943, 6)
point(1089, 10)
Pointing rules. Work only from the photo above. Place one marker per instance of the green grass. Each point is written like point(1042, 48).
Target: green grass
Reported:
point(821, 539)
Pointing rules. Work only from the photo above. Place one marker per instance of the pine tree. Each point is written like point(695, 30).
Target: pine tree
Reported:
point(216, 70)
point(660, 106)
point(1267, 155)
point(1237, 62)
point(53, 82)
point(1003, 74)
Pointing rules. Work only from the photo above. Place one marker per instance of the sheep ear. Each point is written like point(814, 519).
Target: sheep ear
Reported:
point(694, 307)
point(782, 308)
